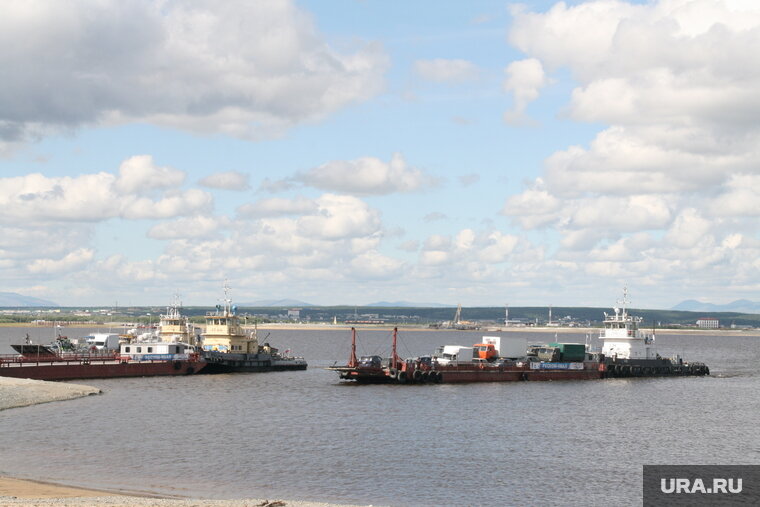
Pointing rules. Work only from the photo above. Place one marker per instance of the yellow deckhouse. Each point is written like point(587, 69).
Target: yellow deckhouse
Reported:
point(175, 327)
point(224, 332)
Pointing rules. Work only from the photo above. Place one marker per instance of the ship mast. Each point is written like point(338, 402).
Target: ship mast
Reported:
point(624, 301)
point(353, 362)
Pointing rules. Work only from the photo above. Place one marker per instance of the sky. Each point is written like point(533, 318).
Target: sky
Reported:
point(481, 153)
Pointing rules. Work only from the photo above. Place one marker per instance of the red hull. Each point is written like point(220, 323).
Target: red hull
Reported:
point(57, 370)
point(470, 373)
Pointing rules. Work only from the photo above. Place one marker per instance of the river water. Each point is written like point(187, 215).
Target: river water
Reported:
point(304, 435)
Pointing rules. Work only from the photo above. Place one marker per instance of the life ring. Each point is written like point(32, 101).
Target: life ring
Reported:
point(393, 373)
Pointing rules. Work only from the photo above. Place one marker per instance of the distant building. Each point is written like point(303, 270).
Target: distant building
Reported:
point(708, 323)
point(294, 314)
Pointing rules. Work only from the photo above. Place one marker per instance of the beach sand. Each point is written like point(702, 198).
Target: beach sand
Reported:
point(22, 392)
point(18, 492)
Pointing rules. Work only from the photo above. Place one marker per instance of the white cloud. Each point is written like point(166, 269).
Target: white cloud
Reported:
point(367, 176)
point(374, 265)
point(139, 175)
point(688, 230)
point(340, 217)
point(228, 180)
point(740, 197)
point(72, 260)
point(247, 69)
point(628, 214)
point(446, 70)
point(36, 198)
point(279, 207)
point(667, 189)
point(189, 227)
point(525, 78)
point(535, 207)
point(470, 250)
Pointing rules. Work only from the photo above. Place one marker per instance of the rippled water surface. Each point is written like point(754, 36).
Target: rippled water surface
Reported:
point(304, 435)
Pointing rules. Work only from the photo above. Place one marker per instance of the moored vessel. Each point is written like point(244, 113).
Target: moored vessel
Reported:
point(630, 352)
point(228, 348)
point(41, 362)
point(496, 359)
point(169, 352)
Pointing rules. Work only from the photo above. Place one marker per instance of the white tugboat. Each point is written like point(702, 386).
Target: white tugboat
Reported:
point(228, 348)
point(631, 352)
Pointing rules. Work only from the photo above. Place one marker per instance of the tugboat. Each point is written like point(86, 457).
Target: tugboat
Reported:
point(630, 352)
point(228, 348)
point(175, 327)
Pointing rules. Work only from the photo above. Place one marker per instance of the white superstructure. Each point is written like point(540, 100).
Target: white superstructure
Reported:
point(622, 337)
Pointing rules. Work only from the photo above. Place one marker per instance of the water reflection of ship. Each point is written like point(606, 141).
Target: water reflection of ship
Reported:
point(228, 348)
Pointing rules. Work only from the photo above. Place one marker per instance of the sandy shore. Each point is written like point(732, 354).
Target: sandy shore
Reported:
point(17, 492)
point(21, 392)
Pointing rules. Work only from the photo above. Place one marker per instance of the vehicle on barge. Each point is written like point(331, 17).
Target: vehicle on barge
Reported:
point(493, 360)
point(228, 348)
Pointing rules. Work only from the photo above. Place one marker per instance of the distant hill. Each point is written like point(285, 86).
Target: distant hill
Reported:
point(277, 302)
point(15, 299)
point(740, 306)
point(407, 304)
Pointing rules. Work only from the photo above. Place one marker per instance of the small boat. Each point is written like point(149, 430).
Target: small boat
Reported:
point(228, 348)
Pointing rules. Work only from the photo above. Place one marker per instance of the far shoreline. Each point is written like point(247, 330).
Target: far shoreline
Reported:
point(289, 326)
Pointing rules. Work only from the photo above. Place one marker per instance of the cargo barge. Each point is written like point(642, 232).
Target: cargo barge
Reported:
point(495, 360)
point(40, 362)
point(170, 352)
point(626, 351)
